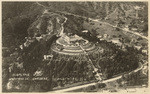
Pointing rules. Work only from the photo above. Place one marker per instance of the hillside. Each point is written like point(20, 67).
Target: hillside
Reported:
point(29, 29)
point(17, 16)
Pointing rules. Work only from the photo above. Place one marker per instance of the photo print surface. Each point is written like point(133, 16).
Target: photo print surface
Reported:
point(77, 46)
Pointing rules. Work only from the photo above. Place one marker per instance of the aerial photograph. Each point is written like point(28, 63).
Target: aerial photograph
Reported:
point(74, 46)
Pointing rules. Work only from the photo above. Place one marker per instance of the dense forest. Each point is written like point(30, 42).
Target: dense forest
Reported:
point(23, 22)
point(17, 16)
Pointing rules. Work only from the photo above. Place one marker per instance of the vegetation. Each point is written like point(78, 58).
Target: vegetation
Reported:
point(20, 23)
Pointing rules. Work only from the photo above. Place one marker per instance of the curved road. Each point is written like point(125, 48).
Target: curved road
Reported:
point(105, 81)
point(109, 80)
point(97, 20)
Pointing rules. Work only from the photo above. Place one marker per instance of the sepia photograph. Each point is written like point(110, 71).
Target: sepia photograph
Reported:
point(74, 46)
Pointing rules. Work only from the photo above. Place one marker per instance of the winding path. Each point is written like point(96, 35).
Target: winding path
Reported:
point(135, 33)
point(97, 20)
point(104, 81)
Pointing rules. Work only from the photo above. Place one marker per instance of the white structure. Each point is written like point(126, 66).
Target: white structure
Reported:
point(116, 41)
point(85, 31)
point(21, 46)
point(38, 38)
point(45, 11)
point(105, 35)
point(47, 57)
point(99, 36)
point(138, 47)
point(66, 38)
point(145, 51)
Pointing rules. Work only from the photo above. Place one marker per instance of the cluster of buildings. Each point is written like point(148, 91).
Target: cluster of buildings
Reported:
point(122, 42)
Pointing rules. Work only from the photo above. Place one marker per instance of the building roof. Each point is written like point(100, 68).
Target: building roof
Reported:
point(72, 47)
